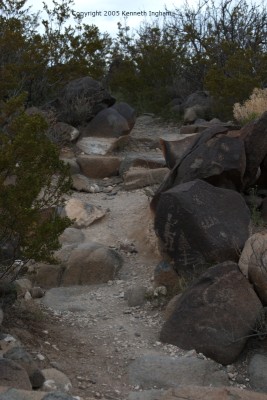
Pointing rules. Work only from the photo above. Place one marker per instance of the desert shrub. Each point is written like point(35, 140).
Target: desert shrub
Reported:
point(252, 108)
point(40, 57)
point(33, 182)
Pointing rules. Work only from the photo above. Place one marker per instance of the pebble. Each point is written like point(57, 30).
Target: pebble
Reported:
point(27, 296)
point(40, 357)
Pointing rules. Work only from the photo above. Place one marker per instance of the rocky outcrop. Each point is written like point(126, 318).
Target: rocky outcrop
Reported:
point(215, 315)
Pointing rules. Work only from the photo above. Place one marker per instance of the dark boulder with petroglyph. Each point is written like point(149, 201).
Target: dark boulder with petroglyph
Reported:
point(216, 315)
point(199, 224)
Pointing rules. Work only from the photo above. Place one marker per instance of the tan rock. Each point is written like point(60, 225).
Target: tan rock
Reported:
point(83, 214)
point(137, 178)
point(46, 275)
point(253, 263)
point(91, 263)
point(55, 380)
point(97, 167)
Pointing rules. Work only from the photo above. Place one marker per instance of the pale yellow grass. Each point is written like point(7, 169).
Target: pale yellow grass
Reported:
point(252, 108)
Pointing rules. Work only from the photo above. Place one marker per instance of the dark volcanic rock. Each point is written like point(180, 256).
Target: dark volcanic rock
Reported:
point(108, 123)
point(127, 112)
point(254, 135)
point(215, 315)
point(220, 161)
point(201, 224)
point(81, 99)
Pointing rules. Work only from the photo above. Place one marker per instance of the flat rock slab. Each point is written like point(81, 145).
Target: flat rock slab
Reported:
point(137, 178)
point(101, 146)
point(142, 160)
point(163, 372)
point(98, 167)
point(210, 393)
point(66, 298)
point(152, 394)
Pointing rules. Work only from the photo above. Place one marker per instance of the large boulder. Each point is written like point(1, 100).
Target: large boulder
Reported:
point(220, 161)
point(80, 100)
point(253, 263)
point(215, 315)
point(200, 224)
point(108, 123)
point(162, 372)
point(192, 148)
point(91, 263)
point(213, 156)
point(254, 135)
point(127, 112)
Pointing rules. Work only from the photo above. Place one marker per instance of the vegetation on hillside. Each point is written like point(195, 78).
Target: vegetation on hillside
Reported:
point(216, 47)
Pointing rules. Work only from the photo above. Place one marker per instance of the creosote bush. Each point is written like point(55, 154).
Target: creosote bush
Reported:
point(252, 108)
point(33, 182)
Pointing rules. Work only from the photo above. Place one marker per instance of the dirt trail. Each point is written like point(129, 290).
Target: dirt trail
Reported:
point(90, 333)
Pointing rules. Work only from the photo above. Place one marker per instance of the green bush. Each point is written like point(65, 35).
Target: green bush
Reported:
point(32, 183)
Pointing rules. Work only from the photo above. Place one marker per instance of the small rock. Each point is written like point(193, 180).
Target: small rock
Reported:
point(136, 296)
point(55, 380)
point(27, 296)
point(37, 292)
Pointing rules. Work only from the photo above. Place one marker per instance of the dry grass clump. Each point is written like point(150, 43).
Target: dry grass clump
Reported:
point(252, 108)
